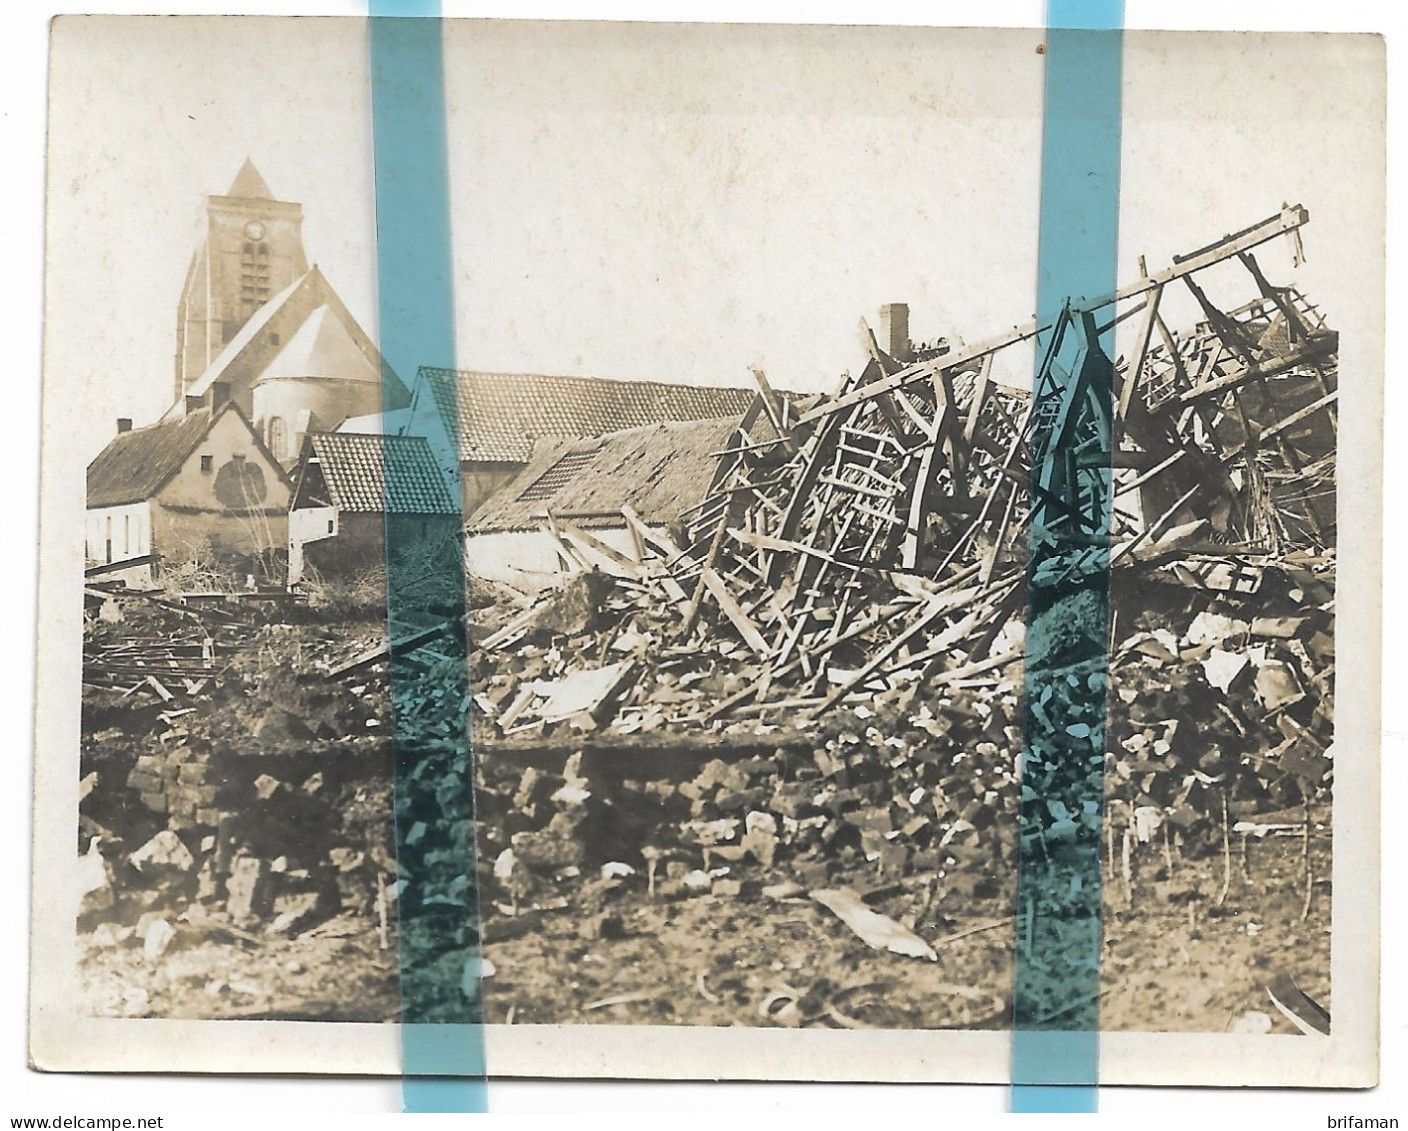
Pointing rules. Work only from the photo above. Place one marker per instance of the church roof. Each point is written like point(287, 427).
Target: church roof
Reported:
point(243, 352)
point(496, 416)
point(660, 470)
point(322, 347)
point(246, 336)
point(249, 184)
point(374, 474)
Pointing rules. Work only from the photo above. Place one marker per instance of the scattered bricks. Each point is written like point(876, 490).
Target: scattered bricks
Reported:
point(738, 800)
point(146, 783)
point(728, 888)
point(94, 881)
point(207, 884)
point(245, 889)
point(157, 939)
point(546, 850)
point(208, 818)
point(266, 786)
point(193, 773)
point(760, 837)
point(154, 801)
point(893, 859)
point(193, 796)
point(166, 850)
point(914, 826)
point(294, 912)
point(872, 820)
point(794, 799)
point(755, 768)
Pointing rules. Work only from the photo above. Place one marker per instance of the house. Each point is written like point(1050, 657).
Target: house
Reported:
point(254, 316)
point(492, 419)
point(348, 486)
point(565, 505)
point(202, 486)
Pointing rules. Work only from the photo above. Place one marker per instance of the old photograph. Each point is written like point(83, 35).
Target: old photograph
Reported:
point(658, 671)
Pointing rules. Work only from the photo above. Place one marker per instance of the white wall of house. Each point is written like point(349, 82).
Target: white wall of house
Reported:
point(119, 534)
point(307, 524)
point(115, 534)
point(529, 560)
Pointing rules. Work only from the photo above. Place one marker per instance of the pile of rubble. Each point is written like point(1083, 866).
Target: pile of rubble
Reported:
point(856, 590)
point(871, 549)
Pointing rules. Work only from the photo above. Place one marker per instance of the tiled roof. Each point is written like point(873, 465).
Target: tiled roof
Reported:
point(660, 470)
point(137, 464)
point(371, 474)
point(497, 416)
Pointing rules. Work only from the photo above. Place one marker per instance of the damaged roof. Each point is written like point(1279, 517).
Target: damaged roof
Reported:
point(497, 416)
point(371, 474)
point(659, 470)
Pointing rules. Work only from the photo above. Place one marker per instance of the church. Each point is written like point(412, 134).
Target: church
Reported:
point(256, 317)
point(266, 355)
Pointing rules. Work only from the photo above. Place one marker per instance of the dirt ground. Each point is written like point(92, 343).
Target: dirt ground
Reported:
point(1174, 961)
point(711, 960)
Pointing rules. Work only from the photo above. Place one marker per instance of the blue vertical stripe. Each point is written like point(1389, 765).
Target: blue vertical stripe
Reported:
point(1057, 976)
point(442, 1037)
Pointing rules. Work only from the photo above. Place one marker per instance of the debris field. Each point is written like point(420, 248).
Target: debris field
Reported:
point(766, 769)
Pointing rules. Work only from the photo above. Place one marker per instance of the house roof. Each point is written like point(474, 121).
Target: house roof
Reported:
point(660, 470)
point(375, 474)
point(497, 416)
point(137, 464)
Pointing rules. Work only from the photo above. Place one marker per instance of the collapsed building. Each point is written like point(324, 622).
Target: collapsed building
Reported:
point(874, 544)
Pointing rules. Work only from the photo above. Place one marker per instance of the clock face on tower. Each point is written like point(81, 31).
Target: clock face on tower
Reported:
point(254, 230)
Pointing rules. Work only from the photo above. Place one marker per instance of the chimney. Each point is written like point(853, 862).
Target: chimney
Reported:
point(894, 330)
point(219, 394)
point(194, 404)
point(124, 424)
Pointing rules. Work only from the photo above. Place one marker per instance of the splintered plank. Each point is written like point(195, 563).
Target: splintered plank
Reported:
point(731, 609)
point(613, 561)
point(774, 407)
point(1289, 219)
point(938, 606)
point(404, 644)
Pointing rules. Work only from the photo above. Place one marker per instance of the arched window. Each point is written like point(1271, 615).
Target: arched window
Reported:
point(278, 437)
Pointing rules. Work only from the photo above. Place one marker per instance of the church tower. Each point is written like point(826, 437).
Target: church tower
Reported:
point(253, 249)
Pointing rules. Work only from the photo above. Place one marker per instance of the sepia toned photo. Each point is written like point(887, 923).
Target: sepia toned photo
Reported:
point(656, 679)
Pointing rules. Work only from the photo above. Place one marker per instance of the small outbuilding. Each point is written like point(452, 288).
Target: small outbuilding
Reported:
point(347, 486)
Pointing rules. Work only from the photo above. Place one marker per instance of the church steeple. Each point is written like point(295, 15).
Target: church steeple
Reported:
point(249, 185)
point(253, 249)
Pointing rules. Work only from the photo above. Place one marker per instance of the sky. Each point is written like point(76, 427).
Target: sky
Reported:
point(673, 203)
